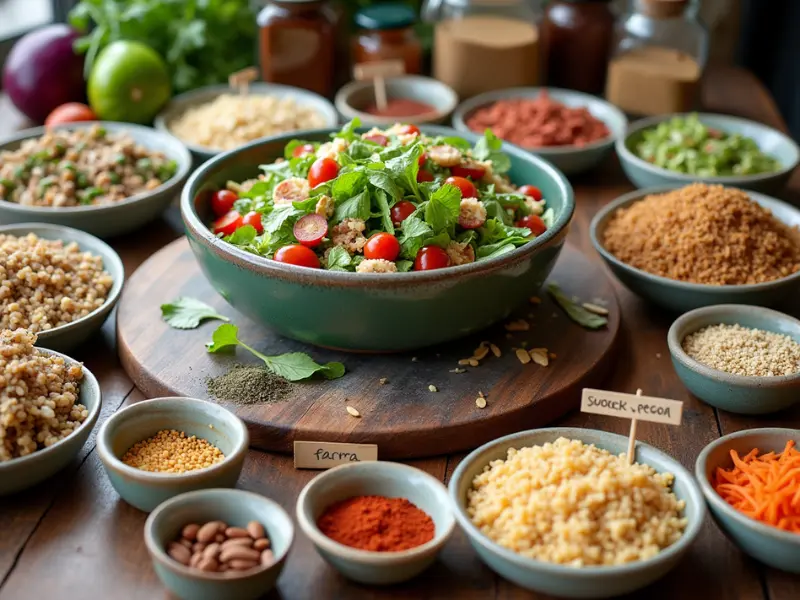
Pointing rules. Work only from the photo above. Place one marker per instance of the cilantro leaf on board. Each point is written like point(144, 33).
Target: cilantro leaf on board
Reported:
point(188, 313)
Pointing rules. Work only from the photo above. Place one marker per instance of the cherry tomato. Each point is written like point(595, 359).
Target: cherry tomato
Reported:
point(424, 175)
point(468, 169)
point(431, 257)
point(422, 158)
point(253, 218)
point(228, 223)
point(401, 211)
point(465, 185)
point(377, 138)
point(71, 112)
point(222, 202)
point(323, 169)
point(532, 222)
point(382, 245)
point(302, 150)
point(532, 191)
point(297, 255)
point(310, 230)
point(408, 130)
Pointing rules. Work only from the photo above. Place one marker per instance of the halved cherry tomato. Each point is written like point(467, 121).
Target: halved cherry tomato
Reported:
point(253, 218)
point(465, 185)
point(532, 222)
point(222, 202)
point(408, 129)
point(228, 223)
point(297, 255)
point(71, 112)
point(424, 175)
point(468, 169)
point(401, 211)
point(302, 150)
point(531, 191)
point(377, 138)
point(422, 158)
point(382, 245)
point(310, 230)
point(431, 257)
point(323, 169)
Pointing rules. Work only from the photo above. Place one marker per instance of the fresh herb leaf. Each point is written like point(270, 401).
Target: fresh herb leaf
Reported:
point(576, 312)
point(347, 185)
point(403, 266)
point(404, 169)
point(357, 207)
point(413, 235)
point(339, 258)
point(188, 313)
point(385, 212)
point(489, 147)
point(442, 209)
point(348, 131)
point(242, 236)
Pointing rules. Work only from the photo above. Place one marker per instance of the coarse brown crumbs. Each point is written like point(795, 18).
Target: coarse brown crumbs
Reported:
point(706, 234)
point(172, 451)
point(245, 384)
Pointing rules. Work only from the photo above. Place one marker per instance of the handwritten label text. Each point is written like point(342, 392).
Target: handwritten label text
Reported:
point(631, 406)
point(324, 455)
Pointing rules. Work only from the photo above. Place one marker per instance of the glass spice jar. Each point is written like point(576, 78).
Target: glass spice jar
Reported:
point(386, 33)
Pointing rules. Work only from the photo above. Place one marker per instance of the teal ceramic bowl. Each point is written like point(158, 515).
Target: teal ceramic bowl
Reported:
point(234, 507)
point(734, 393)
point(73, 334)
point(436, 306)
point(393, 480)
point(771, 141)
point(571, 160)
point(21, 473)
point(573, 582)
point(146, 490)
point(680, 296)
point(772, 546)
point(112, 219)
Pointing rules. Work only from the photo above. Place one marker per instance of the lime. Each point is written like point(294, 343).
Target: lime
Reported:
point(129, 82)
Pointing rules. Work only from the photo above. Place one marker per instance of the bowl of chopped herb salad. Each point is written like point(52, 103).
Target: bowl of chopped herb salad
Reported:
point(683, 148)
point(100, 177)
point(377, 240)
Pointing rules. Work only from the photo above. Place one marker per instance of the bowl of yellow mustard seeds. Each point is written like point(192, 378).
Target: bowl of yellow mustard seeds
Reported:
point(156, 449)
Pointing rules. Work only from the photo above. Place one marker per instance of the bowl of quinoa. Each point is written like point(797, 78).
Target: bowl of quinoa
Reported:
point(48, 406)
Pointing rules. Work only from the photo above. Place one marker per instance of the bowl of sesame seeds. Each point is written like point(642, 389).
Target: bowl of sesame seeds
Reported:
point(743, 359)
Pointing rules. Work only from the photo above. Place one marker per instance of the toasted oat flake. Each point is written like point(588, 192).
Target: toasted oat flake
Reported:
point(539, 356)
point(523, 356)
point(518, 325)
point(594, 308)
point(495, 350)
point(480, 402)
point(432, 388)
point(353, 412)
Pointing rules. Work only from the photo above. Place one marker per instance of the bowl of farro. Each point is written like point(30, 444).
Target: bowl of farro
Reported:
point(100, 177)
point(62, 283)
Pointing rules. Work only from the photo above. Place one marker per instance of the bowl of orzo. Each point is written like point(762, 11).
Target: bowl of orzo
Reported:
point(561, 512)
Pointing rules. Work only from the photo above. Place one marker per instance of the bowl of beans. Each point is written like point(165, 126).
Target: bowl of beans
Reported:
point(156, 449)
point(562, 511)
point(743, 359)
point(572, 130)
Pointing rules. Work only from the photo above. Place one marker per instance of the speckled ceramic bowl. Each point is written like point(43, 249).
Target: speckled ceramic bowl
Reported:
point(572, 582)
point(236, 508)
point(774, 547)
point(68, 336)
point(111, 219)
point(771, 141)
point(393, 480)
point(146, 490)
point(21, 473)
point(680, 296)
point(359, 311)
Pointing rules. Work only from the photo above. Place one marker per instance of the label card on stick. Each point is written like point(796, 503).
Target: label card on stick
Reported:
point(324, 455)
point(378, 72)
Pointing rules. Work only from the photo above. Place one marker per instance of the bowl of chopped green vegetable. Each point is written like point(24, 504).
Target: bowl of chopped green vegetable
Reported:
point(683, 148)
point(377, 240)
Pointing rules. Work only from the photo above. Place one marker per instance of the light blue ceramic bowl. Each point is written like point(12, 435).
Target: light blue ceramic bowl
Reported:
point(734, 393)
point(570, 160)
point(771, 141)
point(146, 490)
point(21, 473)
point(234, 507)
point(680, 296)
point(560, 580)
point(769, 545)
point(68, 336)
point(376, 478)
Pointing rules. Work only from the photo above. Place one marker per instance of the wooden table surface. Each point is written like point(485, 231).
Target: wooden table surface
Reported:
point(72, 537)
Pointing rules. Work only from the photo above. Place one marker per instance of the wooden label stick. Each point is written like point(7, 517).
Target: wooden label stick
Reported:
point(378, 72)
point(632, 434)
point(241, 80)
point(324, 455)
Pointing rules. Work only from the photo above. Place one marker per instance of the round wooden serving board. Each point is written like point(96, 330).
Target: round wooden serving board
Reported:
point(403, 417)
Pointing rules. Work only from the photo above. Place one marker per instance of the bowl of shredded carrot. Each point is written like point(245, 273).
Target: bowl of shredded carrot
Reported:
point(751, 482)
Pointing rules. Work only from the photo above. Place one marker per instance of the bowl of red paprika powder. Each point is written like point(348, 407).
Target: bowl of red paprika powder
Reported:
point(376, 522)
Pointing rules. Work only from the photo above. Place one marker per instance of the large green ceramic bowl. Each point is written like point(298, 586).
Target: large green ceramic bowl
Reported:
point(680, 296)
point(371, 312)
point(770, 545)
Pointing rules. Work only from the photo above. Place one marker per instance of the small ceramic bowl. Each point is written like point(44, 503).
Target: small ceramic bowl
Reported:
point(234, 507)
point(111, 219)
point(572, 582)
point(180, 104)
point(21, 473)
point(354, 97)
point(146, 490)
point(570, 160)
point(769, 545)
point(376, 478)
point(681, 296)
point(734, 393)
point(68, 336)
point(771, 141)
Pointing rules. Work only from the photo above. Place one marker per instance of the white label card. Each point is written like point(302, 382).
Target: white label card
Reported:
point(631, 406)
point(324, 455)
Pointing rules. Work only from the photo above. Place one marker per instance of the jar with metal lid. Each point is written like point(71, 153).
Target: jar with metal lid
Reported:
point(386, 33)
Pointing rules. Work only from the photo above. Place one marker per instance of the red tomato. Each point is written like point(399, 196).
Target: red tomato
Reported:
point(228, 223)
point(431, 257)
point(222, 202)
point(253, 218)
point(465, 185)
point(377, 138)
point(382, 245)
point(401, 211)
point(424, 175)
point(408, 129)
point(302, 150)
point(71, 112)
point(310, 230)
point(422, 158)
point(531, 191)
point(532, 222)
point(323, 169)
point(297, 255)
point(468, 169)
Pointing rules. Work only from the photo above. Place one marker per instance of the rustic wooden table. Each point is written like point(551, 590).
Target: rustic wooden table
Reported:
point(72, 537)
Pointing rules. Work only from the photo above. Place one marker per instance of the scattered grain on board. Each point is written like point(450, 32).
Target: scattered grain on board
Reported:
point(353, 412)
point(172, 451)
point(539, 356)
point(495, 350)
point(432, 388)
point(458, 371)
point(518, 325)
point(246, 384)
point(523, 356)
point(595, 308)
point(480, 402)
